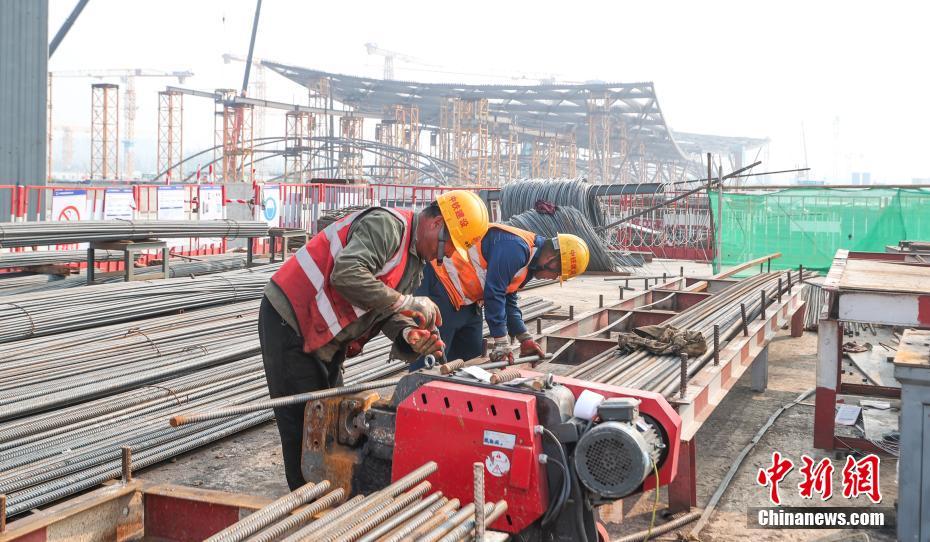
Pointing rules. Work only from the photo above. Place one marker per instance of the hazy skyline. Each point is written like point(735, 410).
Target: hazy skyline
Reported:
point(845, 70)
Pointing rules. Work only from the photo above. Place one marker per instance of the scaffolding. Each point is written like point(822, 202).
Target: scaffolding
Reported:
point(233, 139)
point(600, 153)
point(170, 153)
point(298, 137)
point(104, 134)
point(129, 126)
point(406, 136)
point(350, 157)
point(470, 131)
point(323, 161)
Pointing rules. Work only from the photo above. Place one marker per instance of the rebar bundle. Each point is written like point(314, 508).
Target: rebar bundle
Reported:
point(70, 401)
point(44, 313)
point(406, 509)
point(206, 266)
point(666, 374)
point(54, 257)
point(21, 234)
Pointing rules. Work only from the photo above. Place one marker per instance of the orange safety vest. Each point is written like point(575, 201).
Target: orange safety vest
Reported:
point(304, 278)
point(464, 280)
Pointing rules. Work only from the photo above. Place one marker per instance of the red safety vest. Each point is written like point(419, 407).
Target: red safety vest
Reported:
point(464, 280)
point(304, 278)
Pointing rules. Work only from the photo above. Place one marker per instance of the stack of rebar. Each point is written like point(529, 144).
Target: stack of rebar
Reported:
point(44, 313)
point(405, 510)
point(22, 234)
point(70, 401)
point(815, 298)
point(665, 374)
point(205, 265)
point(34, 258)
point(14, 283)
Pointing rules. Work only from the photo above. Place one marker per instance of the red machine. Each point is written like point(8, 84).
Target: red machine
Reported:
point(551, 453)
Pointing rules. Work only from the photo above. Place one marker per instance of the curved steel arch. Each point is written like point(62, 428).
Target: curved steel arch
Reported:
point(429, 167)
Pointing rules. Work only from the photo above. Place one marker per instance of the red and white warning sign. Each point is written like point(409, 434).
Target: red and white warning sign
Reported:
point(497, 463)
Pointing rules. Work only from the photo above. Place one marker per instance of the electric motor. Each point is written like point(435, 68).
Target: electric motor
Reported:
point(614, 458)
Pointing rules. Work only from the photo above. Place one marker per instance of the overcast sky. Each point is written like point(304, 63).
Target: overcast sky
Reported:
point(853, 74)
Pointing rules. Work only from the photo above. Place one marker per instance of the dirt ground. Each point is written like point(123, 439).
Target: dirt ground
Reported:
point(251, 461)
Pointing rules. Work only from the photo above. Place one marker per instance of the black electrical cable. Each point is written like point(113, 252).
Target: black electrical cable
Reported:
point(579, 518)
point(565, 490)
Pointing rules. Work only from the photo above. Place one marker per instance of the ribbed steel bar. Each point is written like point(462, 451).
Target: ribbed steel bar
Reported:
point(22, 234)
point(260, 519)
point(299, 518)
point(33, 258)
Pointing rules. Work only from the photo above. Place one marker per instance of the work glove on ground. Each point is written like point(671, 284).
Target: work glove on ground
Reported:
point(529, 347)
point(423, 341)
point(422, 309)
point(500, 350)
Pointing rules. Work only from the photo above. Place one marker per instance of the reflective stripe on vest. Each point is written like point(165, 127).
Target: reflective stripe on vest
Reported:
point(321, 311)
point(464, 281)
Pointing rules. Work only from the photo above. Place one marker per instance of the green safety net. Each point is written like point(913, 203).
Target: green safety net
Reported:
point(808, 225)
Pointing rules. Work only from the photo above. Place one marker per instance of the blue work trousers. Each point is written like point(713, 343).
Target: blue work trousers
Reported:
point(461, 330)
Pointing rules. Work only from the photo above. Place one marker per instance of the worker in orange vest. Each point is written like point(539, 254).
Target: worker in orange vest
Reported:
point(349, 283)
point(491, 274)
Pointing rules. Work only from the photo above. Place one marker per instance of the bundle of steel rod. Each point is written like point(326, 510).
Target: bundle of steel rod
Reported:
point(44, 313)
point(13, 283)
point(205, 265)
point(405, 510)
point(663, 374)
point(125, 381)
point(33, 258)
point(23, 234)
point(814, 297)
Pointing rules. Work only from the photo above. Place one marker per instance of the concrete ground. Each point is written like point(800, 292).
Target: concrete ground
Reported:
point(251, 461)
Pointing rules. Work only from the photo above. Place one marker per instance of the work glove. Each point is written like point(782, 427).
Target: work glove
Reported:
point(421, 308)
point(529, 347)
point(423, 341)
point(500, 350)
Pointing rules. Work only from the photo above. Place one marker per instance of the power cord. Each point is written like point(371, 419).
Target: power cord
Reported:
point(556, 507)
point(655, 505)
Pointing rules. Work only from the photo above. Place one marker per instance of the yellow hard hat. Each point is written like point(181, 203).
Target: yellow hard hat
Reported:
point(466, 218)
point(574, 254)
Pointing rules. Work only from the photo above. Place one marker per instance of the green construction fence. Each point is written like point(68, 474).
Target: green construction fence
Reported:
point(808, 225)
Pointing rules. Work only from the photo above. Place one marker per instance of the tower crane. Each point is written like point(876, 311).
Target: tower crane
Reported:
point(389, 57)
point(127, 77)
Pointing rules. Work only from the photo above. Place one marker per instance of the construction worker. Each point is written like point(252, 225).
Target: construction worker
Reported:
point(493, 272)
point(347, 284)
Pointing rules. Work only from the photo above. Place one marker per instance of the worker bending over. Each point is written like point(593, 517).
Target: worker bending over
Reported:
point(347, 284)
point(491, 274)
